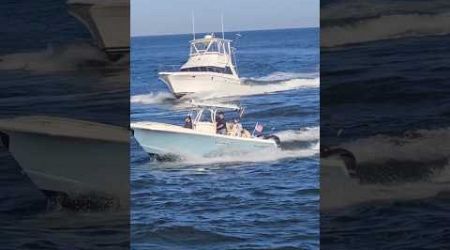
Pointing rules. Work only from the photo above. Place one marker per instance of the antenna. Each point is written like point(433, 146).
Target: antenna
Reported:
point(223, 34)
point(193, 25)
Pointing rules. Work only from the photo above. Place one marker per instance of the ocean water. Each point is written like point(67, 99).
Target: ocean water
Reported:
point(265, 200)
point(385, 97)
point(49, 66)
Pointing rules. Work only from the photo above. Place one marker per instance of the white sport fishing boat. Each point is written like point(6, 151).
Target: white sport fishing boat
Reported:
point(211, 67)
point(70, 156)
point(202, 139)
point(108, 21)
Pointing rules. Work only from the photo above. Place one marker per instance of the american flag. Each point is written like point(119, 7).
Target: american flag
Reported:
point(259, 128)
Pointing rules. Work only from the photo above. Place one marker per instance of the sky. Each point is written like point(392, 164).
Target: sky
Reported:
point(162, 17)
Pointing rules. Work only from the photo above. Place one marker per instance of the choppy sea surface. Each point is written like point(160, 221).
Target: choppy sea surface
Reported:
point(265, 200)
point(385, 97)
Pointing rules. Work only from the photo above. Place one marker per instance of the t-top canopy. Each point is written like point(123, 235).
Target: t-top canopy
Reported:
point(216, 105)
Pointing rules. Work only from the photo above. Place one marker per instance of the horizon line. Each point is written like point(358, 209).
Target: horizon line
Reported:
point(263, 29)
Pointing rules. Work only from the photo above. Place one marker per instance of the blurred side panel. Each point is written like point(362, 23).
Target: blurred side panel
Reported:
point(64, 117)
point(385, 124)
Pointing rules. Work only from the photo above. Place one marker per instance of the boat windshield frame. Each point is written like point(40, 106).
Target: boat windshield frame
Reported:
point(211, 45)
point(199, 111)
point(199, 115)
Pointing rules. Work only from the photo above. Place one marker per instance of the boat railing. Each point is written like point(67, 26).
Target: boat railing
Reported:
point(201, 53)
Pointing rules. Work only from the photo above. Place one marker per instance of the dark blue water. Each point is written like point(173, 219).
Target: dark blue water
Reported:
point(385, 96)
point(261, 201)
point(49, 66)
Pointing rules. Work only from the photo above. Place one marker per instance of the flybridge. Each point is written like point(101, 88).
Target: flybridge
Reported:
point(211, 45)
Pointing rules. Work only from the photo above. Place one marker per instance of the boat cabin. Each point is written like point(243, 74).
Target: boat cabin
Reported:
point(211, 54)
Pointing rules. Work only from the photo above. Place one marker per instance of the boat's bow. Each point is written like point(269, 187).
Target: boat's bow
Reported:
point(70, 156)
point(107, 21)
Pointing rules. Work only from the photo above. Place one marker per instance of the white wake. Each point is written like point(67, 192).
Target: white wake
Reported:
point(386, 27)
point(304, 134)
point(269, 155)
point(273, 83)
point(152, 98)
point(252, 87)
point(66, 58)
point(339, 190)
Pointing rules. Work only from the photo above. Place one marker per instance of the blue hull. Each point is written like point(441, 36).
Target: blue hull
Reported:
point(188, 144)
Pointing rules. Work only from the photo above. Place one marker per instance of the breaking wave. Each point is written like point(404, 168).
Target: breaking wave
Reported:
point(257, 156)
point(259, 87)
point(419, 145)
point(65, 58)
point(281, 76)
point(386, 27)
point(275, 82)
point(422, 154)
point(351, 10)
point(304, 134)
point(152, 98)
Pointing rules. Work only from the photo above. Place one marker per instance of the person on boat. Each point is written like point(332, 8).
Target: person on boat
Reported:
point(246, 133)
point(236, 128)
point(221, 124)
point(188, 122)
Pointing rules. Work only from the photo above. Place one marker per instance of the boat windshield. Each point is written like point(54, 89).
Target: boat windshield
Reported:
point(210, 115)
point(226, 70)
point(204, 115)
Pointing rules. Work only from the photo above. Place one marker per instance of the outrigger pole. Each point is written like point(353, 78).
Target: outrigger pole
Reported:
point(223, 34)
point(193, 25)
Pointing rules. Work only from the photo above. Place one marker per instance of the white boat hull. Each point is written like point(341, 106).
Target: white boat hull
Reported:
point(107, 21)
point(164, 139)
point(63, 163)
point(182, 83)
